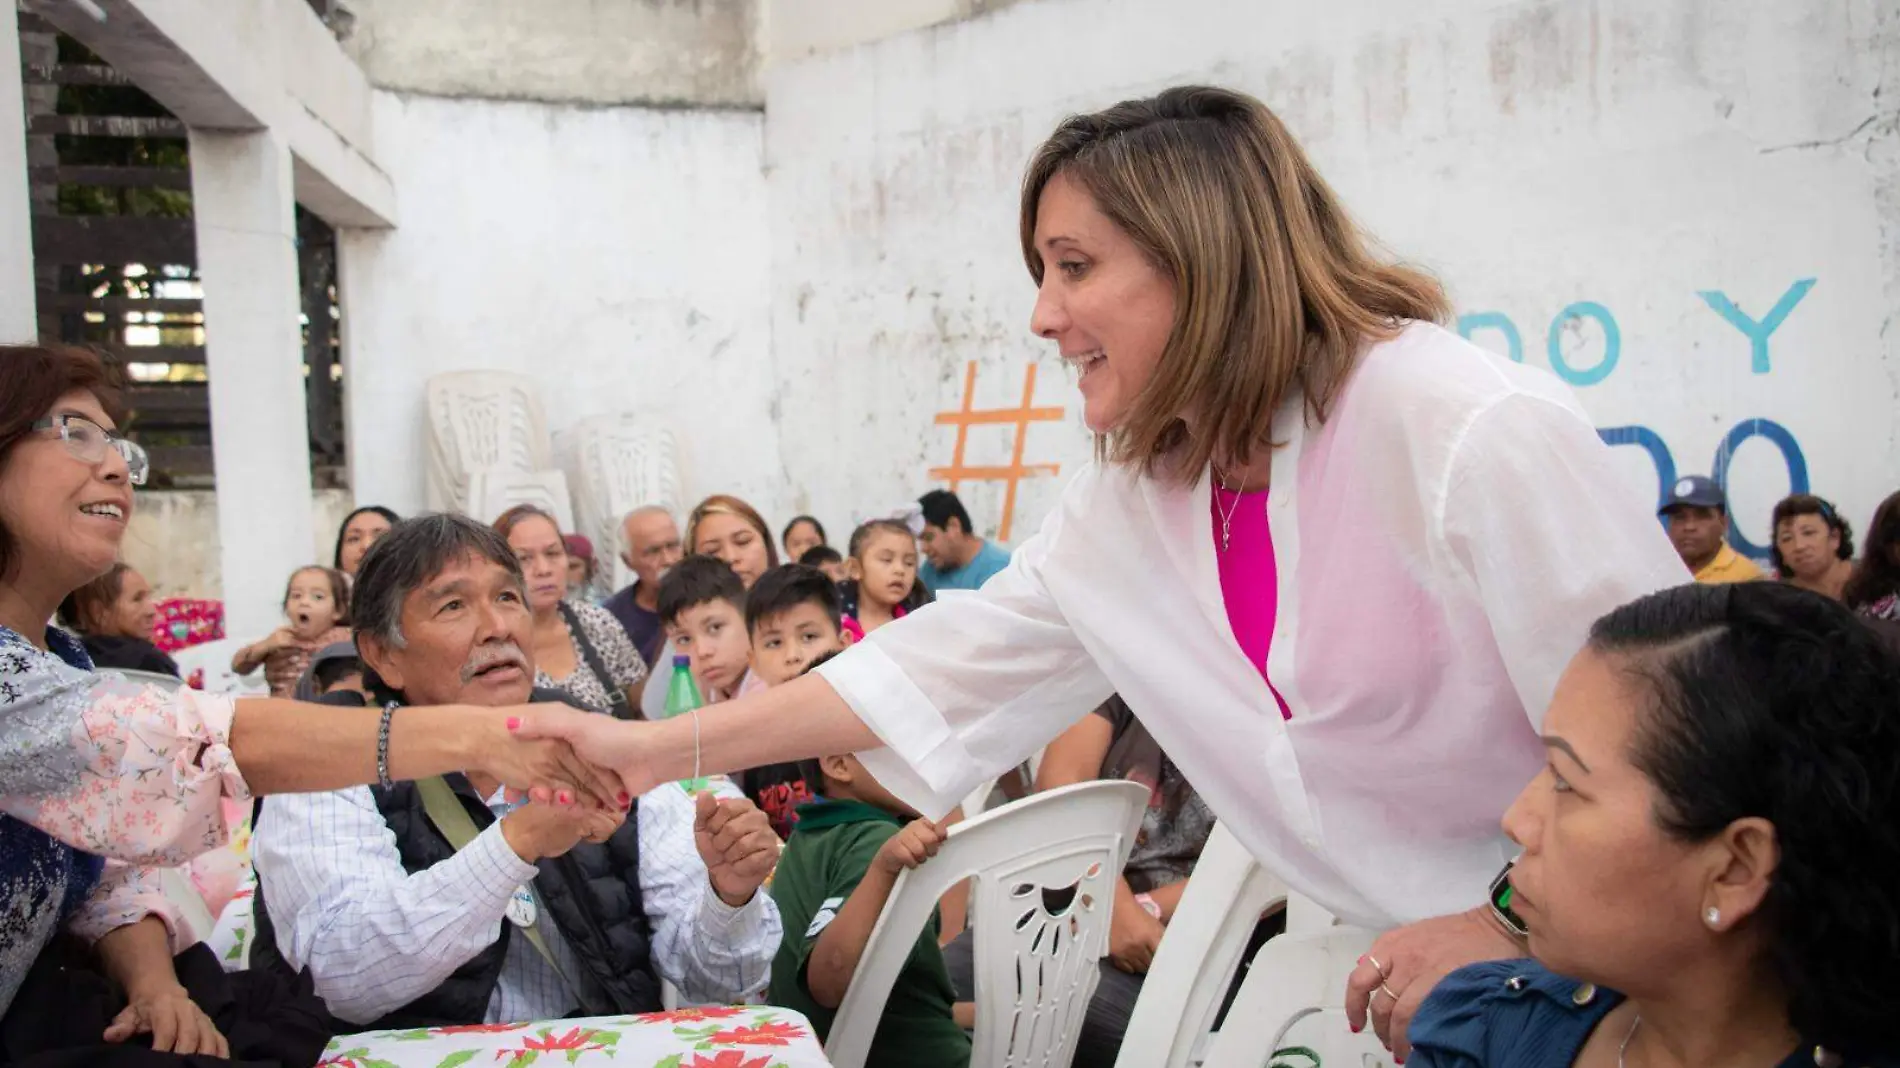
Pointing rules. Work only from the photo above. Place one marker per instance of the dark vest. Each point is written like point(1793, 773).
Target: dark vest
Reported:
point(591, 893)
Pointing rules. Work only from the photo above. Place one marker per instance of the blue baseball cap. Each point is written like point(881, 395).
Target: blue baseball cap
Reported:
point(1694, 491)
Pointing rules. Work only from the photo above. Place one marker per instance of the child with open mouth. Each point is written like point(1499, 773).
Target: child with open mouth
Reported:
point(316, 607)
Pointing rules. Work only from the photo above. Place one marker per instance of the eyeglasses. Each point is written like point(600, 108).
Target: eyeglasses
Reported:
point(89, 441)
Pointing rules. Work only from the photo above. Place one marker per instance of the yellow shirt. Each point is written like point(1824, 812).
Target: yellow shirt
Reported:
point(1729, 566)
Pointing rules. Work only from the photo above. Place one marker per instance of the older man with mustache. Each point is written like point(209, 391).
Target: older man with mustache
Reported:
point(439, 903)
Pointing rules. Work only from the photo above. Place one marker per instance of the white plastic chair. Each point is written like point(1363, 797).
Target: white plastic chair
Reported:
point(490, 493)
point(149, 678)
point(214, 659)
point(1207, 937)
point(1035, 969)
point(191, 907)
point(1293, 997)
point(619, 463)
point(481, 421)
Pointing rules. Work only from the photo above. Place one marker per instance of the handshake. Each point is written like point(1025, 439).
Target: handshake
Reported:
point(555, 755)
point(584, 770)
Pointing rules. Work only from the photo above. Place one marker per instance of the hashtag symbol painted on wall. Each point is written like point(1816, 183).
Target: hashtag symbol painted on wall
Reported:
point(966, 417)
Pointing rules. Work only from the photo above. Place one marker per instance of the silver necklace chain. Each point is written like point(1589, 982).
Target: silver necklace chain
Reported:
point(1623, 1050)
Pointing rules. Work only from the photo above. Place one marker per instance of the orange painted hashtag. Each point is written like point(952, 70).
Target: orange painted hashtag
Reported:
point(966, 417)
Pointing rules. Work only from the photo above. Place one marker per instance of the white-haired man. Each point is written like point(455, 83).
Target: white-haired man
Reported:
point(649, 544)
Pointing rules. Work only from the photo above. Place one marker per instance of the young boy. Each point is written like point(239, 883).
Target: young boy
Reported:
point(832, 882)
point(792, 615)
point(702, 607)
point(826, 559)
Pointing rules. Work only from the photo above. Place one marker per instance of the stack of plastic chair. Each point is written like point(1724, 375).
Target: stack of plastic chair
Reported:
point(619, 463)
point(1042, 874)
point(488, 447)
point(1207, 937)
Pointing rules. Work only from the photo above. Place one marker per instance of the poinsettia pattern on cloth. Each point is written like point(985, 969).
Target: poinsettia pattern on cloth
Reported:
point(718, 1036)
point(725, 1058)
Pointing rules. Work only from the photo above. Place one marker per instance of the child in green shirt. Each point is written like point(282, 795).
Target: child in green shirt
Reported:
point(843, 857)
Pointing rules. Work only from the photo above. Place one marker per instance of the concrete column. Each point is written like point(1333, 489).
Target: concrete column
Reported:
point(18, 323)
point(247, 257)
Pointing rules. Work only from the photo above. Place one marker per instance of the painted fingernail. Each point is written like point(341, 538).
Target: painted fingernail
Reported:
point(564, 797)
point(514, 724)
point(1362, 958)
point(1354, 1028)
point(623, 799)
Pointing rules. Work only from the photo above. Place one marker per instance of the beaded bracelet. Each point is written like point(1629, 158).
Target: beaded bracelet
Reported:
point(382, 746)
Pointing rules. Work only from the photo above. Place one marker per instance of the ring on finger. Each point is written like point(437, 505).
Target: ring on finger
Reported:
point(1377, 967)
point(1382, 989)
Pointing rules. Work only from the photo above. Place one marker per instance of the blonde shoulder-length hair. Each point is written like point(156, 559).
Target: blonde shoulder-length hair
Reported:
point(1275, 289)
point(726, 504)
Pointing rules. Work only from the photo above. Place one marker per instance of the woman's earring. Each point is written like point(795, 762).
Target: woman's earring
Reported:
point(1713, 916)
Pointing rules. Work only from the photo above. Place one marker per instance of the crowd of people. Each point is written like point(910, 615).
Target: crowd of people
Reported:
point(1312, 586)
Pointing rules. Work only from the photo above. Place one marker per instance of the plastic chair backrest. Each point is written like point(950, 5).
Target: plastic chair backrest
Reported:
point(481, 420)
point(490, 493)
point(621, 462)
point(191, 907)
point(1207, 937)
point(214, 660)
point(149, 678)
point(1037, 962)
point(1292, 997)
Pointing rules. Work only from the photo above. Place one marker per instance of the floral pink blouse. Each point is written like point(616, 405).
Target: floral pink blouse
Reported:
point(108, 768)
point(117, 769)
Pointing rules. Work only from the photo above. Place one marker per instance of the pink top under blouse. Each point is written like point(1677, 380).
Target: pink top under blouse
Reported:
point(1249, 585)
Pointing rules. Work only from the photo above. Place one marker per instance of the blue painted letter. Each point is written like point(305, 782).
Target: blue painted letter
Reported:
point(1790, 453)
point(1758, 332)
point(1612, 343)
point(1653, 444)
point(1498, 321)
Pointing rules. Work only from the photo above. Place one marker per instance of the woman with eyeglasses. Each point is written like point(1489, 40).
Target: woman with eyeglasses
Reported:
point(92, 766)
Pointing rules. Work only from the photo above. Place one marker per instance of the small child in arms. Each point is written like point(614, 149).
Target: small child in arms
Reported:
point(317, 605)
point(833, 880)
point(883, 584)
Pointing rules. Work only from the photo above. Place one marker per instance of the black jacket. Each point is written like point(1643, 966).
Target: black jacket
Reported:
point(128, 654)
point(591, 894)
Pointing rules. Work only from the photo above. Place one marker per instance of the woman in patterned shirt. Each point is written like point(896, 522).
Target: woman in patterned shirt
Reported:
point(92, 766)
point(1874, 589)
point(580, 649)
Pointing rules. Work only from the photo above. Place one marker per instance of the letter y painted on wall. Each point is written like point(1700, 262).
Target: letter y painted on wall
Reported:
point(1757, 332)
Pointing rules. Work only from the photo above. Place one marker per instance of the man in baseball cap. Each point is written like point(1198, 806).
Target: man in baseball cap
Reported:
point(1697, 513)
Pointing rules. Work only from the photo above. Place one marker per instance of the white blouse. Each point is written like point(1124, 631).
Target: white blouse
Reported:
point(1443, 543)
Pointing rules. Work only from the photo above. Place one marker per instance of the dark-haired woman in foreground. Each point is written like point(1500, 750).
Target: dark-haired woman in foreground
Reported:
point(1712, 844)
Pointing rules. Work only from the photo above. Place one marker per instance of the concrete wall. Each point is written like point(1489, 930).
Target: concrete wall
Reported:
point(173, 541)
point(797, 29)
point(618, 255)
point(1691, 208)
point(655, 52)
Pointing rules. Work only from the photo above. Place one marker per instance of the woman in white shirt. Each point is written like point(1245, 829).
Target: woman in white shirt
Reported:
point(1334, 556)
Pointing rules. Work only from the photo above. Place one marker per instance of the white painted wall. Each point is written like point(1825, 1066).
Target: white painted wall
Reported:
point(18, 323)
point(173, 540)
point(660, 52)
point(617, 255)
point(1631, 153)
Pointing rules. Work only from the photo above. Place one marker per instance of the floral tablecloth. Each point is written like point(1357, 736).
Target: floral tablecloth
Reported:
point(749, 1036)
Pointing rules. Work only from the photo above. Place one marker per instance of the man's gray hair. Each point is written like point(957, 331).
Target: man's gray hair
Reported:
point(626, 545)
point(413, 552)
